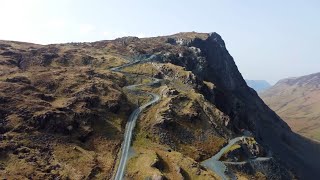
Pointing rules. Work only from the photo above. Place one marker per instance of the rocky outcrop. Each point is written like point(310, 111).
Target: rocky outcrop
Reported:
point(220, 67)
point(246, 109)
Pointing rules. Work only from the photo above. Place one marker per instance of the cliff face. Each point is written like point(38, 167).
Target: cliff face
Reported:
point(213, 63)
point(220, 67)
point(247, 111)
point(297, 101)
point(207, 57)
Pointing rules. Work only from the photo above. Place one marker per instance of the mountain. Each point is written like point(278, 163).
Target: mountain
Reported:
point(297, 101)
point(258, 85)
point(168, 107)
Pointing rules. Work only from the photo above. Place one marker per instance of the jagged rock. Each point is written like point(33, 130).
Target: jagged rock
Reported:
point(158, 177)
point(166, 92)
point(158, 163)
point(171, 41)
point(50, 120)
point(45, 97)
point(47, 58)
point(8, 53)
point(19, 79)
point(86, 60)
point(70, 128)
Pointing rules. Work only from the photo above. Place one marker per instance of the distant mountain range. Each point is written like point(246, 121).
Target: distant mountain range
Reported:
point(258, 85)
point(297, 101)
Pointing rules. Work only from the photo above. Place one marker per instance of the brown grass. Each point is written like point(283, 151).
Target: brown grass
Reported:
point(298, 106)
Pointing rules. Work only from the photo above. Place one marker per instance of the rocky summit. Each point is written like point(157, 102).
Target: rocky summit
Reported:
point(67, 111)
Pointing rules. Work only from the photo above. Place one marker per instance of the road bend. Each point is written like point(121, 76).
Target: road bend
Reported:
point(132, 118)
point(220, 167)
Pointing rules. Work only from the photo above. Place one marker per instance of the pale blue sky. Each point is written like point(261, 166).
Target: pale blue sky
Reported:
point(269, 40)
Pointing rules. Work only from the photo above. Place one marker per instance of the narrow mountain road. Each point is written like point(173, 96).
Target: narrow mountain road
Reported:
point(258, 159)
point(220, 167)
point(212, 163)
point(132, 119)
point(217, 166)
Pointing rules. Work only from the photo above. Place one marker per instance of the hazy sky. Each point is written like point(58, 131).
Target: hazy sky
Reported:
point(269, 40)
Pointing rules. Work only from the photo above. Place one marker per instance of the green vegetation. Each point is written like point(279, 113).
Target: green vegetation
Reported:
point(232, 148)
point(142, 69)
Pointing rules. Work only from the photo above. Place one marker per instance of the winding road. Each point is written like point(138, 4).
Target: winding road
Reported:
point(132, 118)
point(212, 163)
point(217, 166)
point(220, 167)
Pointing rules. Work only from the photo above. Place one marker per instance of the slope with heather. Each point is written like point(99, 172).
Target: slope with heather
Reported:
point(63, 112)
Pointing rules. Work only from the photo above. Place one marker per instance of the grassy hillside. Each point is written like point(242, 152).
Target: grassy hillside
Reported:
point(297, 101)
point(63, 112)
